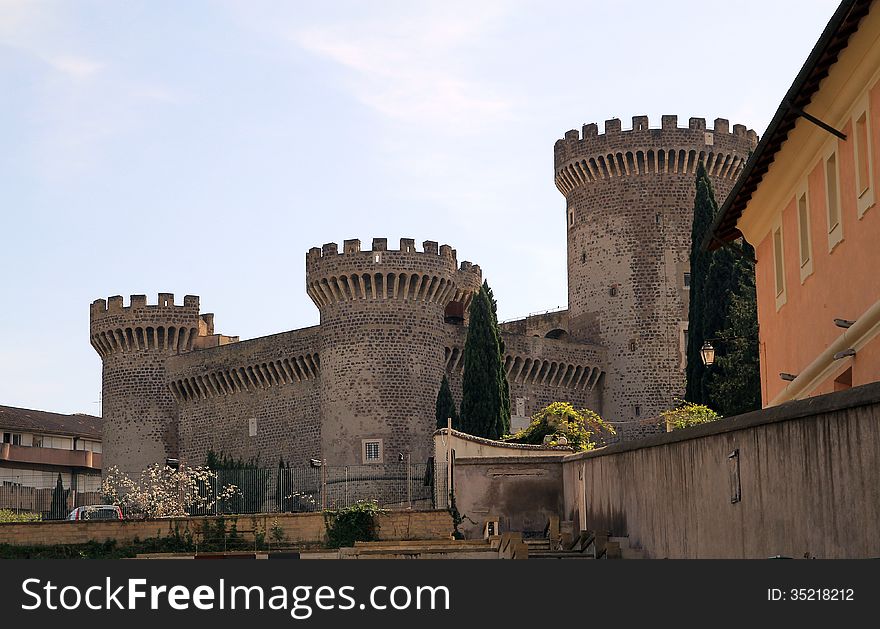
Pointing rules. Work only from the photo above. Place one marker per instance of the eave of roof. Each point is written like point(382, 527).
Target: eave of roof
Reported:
point(833, 40)
point(45, 422)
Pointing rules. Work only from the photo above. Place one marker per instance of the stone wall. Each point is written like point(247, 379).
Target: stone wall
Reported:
point(539, 370)
point(134, 342)
point(270, 384)
point(629, 209)
point(381, 344)
point(298, 528)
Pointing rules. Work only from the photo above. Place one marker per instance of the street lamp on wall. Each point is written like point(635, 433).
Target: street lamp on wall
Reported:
point(707, 353)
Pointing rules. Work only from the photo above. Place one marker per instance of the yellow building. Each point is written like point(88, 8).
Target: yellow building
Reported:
point(807, 201)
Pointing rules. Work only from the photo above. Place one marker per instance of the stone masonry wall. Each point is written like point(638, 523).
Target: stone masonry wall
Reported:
point(629, 208)
point(134, 342)
point(273, 380)
point(302, 528)
point(381, 344)
point(541, 370)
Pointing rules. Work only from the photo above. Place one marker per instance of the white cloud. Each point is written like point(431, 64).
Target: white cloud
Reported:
point(415, 68)
point(76, 67)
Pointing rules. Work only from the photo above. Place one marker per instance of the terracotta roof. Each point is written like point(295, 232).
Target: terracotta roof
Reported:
point(833, 40)
point(26, 419)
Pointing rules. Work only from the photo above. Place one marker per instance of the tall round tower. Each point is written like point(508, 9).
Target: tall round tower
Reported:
point(629, 209)
point(381, 347)
point(140, 416)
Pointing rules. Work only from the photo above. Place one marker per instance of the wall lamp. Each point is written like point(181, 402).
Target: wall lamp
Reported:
point(707, 353)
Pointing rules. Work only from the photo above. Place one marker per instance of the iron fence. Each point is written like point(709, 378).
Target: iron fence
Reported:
point(40, 493)
point(257, 490)
point(298, 489)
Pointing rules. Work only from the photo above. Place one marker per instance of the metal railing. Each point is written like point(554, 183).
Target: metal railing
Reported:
point(298, 489)
point(37, 492)
point(257, 490)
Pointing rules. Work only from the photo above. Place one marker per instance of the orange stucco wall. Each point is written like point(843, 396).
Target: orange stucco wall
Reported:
point(844, 283)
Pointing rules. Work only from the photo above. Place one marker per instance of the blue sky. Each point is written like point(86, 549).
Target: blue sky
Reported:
point(203, 147)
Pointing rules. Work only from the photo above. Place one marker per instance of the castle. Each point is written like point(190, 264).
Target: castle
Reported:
point(360, 387)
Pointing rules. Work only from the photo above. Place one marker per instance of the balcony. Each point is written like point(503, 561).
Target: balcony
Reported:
point(50, 456)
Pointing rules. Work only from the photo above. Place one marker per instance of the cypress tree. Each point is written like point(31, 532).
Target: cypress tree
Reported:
point(705, 208)
point(58, 508)
point(734, 383)
point(482, 391)
point(723, 311)
point(445, 406)
point(505, 385)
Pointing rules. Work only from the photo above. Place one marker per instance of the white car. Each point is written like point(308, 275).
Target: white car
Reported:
point(96, 512)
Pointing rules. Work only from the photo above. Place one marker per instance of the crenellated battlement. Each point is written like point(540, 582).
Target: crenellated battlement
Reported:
point(430, 274)
point(163, 326)
point(114, 305)
point(586, 156)
point(379, 245)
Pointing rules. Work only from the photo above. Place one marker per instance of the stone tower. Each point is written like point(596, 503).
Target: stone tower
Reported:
point(140, 414)
point(381, 343)
point(629, 208)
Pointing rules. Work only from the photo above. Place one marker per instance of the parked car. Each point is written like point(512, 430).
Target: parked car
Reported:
point(96, 512)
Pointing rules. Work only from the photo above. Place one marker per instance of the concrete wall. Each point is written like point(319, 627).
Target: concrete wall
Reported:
point(808, 481)
point(521, 493)
point(307, 528)
point(467, 446)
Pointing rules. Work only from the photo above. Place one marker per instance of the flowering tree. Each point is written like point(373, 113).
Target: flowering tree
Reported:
point(166, 492)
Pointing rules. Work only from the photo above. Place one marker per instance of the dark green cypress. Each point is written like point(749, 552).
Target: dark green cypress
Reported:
point(482, 391)
point(734, 382)
point(722, 311)
point(58, 508)
point(705, 208)
point(445, 407)
point(505, 385)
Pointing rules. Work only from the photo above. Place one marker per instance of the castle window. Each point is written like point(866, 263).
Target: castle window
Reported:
point(613, 291)
point(632, 346)
point(637, 410)
point(377, 257)
point(372, 450)
point(584, 257)
point(570, 219)
point(687, 281)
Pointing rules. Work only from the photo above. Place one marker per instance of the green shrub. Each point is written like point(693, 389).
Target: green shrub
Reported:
point(356, 523)
point(583, 429)
point(8, 515)
point(688, 414)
